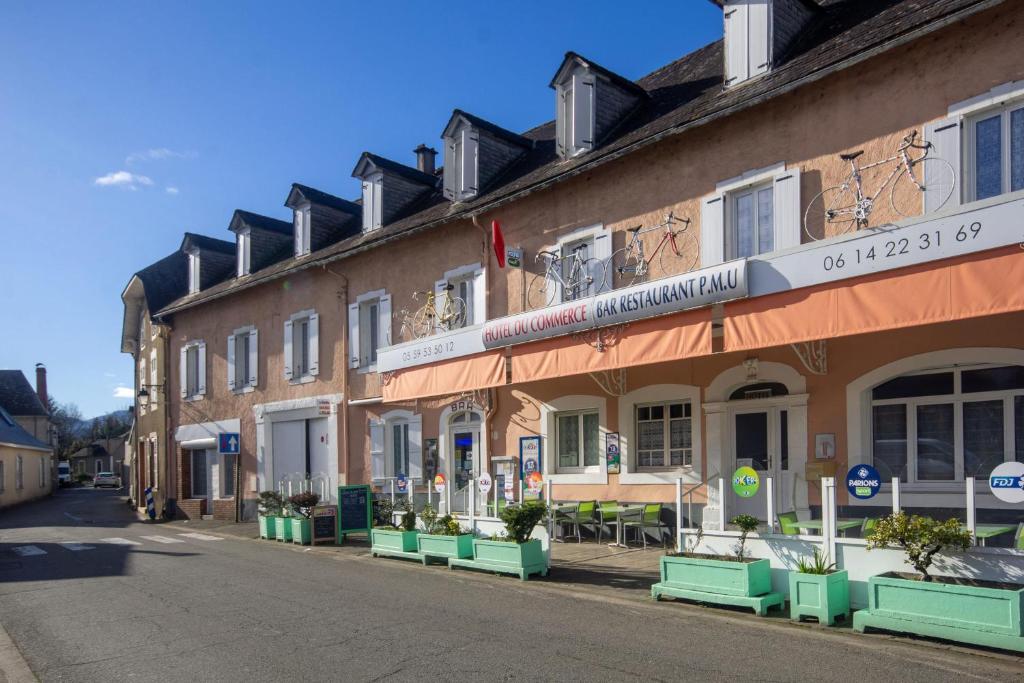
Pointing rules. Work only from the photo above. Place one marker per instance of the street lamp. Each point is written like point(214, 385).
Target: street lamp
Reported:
point(144, 393)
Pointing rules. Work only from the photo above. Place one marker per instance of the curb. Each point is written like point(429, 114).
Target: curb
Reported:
point(13, 667)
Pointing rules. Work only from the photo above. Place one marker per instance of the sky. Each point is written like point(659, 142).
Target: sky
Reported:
point(125, 124)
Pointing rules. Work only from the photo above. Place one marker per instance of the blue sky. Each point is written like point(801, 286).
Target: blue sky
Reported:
point(122, 125)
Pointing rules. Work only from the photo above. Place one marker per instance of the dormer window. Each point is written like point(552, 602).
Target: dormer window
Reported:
point(373, 204)
point(193, 272)
point(461, 151)
point(244, 242)
point(758, 33)
point(303, 228)
point(574, 126)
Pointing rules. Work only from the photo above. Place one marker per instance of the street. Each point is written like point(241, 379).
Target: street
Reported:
point(88, 593)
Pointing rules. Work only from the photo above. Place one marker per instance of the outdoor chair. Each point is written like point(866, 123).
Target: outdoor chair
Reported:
point(581, 516)
point(650, 518)
point(1018, 538)
point(869, 525)
point(608, 515)
point(788, 523)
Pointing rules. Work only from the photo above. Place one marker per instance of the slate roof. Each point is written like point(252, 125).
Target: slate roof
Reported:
point(165, 281)
point(514, 138)
point(315, 196)
point(413, 174)
point(621, 81)
point(247, 219)
point(683, 95)
point(204, 242)
point(12, 433)
point(17, 396)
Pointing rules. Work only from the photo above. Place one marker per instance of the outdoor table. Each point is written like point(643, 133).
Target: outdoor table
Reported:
point(620, 512)
point(841, 524)
point(983, 531)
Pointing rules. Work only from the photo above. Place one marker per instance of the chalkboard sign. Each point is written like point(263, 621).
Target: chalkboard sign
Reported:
point(354, 509)
point(325, 524)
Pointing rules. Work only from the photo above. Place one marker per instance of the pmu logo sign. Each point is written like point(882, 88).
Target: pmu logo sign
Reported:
point(1007, 482)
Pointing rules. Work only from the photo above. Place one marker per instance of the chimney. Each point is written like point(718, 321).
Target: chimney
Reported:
point(41, 385)
point(425, 159)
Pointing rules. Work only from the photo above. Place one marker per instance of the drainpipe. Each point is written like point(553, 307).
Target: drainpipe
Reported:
point(491, 393)
point(343, 445)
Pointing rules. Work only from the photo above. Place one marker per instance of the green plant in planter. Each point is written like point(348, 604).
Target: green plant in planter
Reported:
point(408, 519)
point(746, 524)
point(521, 519)
point(817, 589)
point(921, 538)
point(271, 503)
point(302, 504)
point(383, 514)
point(819, 565)
point(429, 519)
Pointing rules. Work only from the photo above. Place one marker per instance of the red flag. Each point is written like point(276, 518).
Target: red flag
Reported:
point(499, 243)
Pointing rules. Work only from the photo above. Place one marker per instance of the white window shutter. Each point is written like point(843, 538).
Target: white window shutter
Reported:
point(712, 230)
point(479, 297)
point(439, 292)
point(553, 290)
point(583, 87)
point(470, 155)
point(757, 37)
point(288, 363)
point(736, 43)
point(384, 321)
point(154, 379)
point(314, 344)
point(201, 375)
point(367, 205)
point(231, 362)
point(449, 170)
point(377, 449)
point(560, 121)
point(945, 139)
point(183, 371)
point(378, 201)
point(602, 253)
point(353, 335)
point(254, 357)
point(787, 209)
point(415, 448)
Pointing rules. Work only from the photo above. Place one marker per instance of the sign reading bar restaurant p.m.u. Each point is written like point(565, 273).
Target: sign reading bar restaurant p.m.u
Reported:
point(691, 290)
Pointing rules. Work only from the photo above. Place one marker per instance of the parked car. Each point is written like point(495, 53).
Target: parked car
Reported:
point(106, 479)
point(63, 474)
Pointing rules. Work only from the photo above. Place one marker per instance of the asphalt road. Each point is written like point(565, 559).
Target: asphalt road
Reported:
point(125, 600)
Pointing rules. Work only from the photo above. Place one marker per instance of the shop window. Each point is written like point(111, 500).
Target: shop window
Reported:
point(995, 151)
point(227, 479)
point(945, 425)
point(577, 440)
point(199, 487)
point(302, 347)
point(664, 435)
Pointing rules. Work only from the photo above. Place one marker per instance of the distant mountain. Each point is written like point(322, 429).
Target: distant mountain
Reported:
point(83, 427)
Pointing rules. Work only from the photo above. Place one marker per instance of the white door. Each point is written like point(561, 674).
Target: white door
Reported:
point(288, 439)
point(760, 441)
point(464, 457)
point(321, 466)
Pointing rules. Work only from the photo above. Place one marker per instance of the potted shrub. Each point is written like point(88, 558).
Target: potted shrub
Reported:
point(723, 579)
point(514, 552)
point(302, 505)
point(817, 589)
point(271, 504)
point(390, 540)
point(974, 611)
point(443, 537)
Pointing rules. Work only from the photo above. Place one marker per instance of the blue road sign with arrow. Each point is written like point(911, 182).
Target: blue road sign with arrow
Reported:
point(228, 442)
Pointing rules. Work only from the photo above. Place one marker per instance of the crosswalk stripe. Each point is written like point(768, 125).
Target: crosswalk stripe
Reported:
point(202, 537)
point(119, 541)
point(163, 539)
point(76, 547)
point(28, 550)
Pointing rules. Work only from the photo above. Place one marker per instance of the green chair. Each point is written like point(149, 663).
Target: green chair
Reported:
point(502, 504)
point(869, 525)
point(650, 518)
point(581, 516)
point(607, 515)
point(1018, 539)
point(788, 523)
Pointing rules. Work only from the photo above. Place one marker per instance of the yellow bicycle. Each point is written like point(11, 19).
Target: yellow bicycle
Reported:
point(438, 314)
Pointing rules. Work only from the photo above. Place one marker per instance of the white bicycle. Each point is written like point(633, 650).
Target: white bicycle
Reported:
point(575, 276)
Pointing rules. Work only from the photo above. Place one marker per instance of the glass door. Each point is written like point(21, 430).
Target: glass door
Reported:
point(761, 442)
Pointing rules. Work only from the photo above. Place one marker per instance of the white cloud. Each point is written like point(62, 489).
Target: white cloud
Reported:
point(132, 181)
point(158, 154)
point(171, 190)
point(124, 392)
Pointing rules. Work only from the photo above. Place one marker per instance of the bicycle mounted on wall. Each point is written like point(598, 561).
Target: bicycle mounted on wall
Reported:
point(566, 278)
point(677, 252)
point(440, 313)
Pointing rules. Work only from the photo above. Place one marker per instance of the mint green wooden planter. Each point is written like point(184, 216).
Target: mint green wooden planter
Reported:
point(747, 584)
point(825, 596)
point(521, 559)
point(302, 531)
point(445, 547)
point(268, 527)
point(389, 543)
point(283, 527)
point(969, 614)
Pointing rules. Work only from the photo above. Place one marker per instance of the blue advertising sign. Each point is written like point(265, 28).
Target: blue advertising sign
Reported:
point(227, 443)
point(863, 481)
point(401, 483)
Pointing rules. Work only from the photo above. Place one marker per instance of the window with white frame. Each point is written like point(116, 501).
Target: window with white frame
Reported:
point(302, 221)
point(373, 201)
point(395, 445)
point(995, 151)
point(199, 474)
point(399, 447)
point(244, 243)
point(747, 39)
point(369, 331)
point(227, 479)
point(461, 163)
point(301, 347)
point(193, 370)
point(750, 222)
point(142, 383)
point(574, 122)
point(947, 424)
point(369, 328)
point(242, 359)
point(577, 440)
point(467, 284)
point(664, 435)
point(154, 384)
point(193, 272)
point(19, 473)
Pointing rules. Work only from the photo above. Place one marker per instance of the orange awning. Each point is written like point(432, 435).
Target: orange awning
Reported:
point(986, 283)
point(454, 376)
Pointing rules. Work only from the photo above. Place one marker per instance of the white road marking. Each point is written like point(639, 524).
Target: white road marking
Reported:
point(119, 541)
point(28, 550)
point(202, 537)
point(72, 517)
point(162, 539)
point(75, 547)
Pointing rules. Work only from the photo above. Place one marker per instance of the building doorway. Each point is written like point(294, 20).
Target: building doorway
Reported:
point(465, 461)
point(761, 442)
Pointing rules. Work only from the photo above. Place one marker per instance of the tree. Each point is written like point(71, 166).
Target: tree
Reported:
point(66, 419)
point(920, 537)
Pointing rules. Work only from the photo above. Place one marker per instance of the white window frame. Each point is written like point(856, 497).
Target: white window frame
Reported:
point(969, 132)
point(568, 95)
point(194, 281)
point(380, 298)
point(666, 438)
point(373, 204)
point(244, 256)
point(248, 338)
point(580, 466)
point(383, 450)
point(630, 471)
point(548, 430)
point(142, 383)
point(311, 341)
point(192, 472)
point(589, 234)
point(732, 236)
point(154, 381)
point(303, 224)
point(476, 302)
point(198, 391)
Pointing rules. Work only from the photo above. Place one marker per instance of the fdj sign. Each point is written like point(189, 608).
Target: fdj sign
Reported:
point(863, 481)
point(1007, 482)
point(745, 482)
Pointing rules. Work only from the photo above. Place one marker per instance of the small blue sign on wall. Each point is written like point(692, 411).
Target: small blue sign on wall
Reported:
point(863, 481)
point(227, 443)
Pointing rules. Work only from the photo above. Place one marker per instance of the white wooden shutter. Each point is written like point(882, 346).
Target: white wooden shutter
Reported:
point(314, 344)
point(945, 138)
point(378, 200)
point(786, 199)
point(470, 156)
point(583, 87)
point(416, 448)
point(712, 230)
point(376, 428)
point(288, 363)
point(602, 253)
point(384, 322)
point(367, 205)
point(254, 357)
point(736, 43)
point(560, 122)
point(183, 371)
point(479, 297)
point(231, 362)
point(353, 335)
point(757, 37)
point(439, 290)
point(449, 170)
point(201, 374)
point(154, 379)
point(553, 292)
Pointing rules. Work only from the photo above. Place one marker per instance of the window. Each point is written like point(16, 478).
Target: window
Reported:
point(995, 157)
point(19, 473)
point(154, 383)
point(396, 445)
point(467, 283)
point(369, 328)
point(746, 39)
point(193, 370)
point(301, 347)
point(400, 448)
point(193, 272)
point(373, 205)
point(577, 440)
point(579, 288)
point(461, 163)
point(142, 383)
point(750, 228)
point(242, 359)
point(228, 477)
point(302, 219)
point(664, 435)
point(199, 487)
point(244, 241)
point(574, 123)
point(943, 426)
